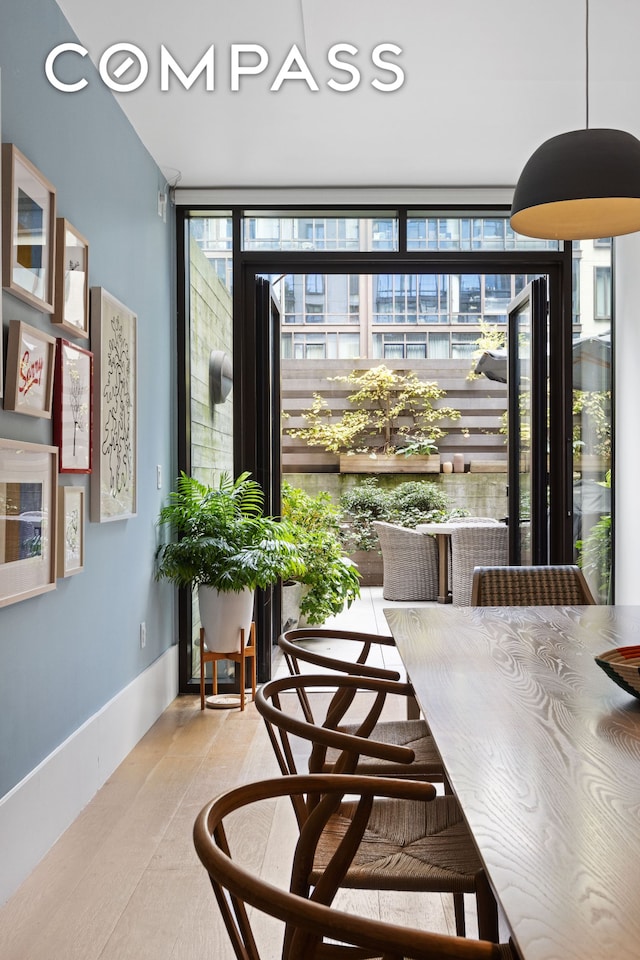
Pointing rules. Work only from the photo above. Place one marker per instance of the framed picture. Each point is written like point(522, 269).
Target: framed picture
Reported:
point(70, 531)
point(73, 407)
point(72, 280)
point(1, 261)
point(28, 506)
point(115, 420)
point(28, 230)
point(30, 367)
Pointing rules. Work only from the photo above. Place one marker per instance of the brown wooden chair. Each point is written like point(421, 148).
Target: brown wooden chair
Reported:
point(556, 585)
point(309, 645)
point(246, 651)
point(313, 928)
point(406, 846)
point(392, 748)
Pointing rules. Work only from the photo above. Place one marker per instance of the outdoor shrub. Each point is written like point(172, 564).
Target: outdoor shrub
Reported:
point(408, 504)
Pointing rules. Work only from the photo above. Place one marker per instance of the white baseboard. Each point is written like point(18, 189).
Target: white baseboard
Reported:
point(41, 807)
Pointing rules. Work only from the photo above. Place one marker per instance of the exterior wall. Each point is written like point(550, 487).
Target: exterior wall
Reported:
point(211, 329)
point(65, 654)
point(480, 401)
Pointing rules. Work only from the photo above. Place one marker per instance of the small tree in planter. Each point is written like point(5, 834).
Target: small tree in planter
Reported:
point(329, 579)
point(393, 412)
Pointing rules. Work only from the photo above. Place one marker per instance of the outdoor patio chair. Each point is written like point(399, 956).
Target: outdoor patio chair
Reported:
point(313, 928)
point(410, 563)
point(471, 547)
point(559, 585)
point(419, 846)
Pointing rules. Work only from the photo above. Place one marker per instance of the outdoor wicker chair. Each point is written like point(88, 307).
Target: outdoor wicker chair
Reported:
point(410, 563)
point(424, 846)
point(474, 546)
point(561, 585)
point(313, 928)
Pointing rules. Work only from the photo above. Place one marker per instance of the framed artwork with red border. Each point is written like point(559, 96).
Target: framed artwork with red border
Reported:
point(73, 407)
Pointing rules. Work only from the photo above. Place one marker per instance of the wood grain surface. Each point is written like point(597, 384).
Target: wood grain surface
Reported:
point(543, 751)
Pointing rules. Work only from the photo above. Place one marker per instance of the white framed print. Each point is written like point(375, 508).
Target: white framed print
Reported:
point(114, 477)
point(30, 366)
point(70, 531)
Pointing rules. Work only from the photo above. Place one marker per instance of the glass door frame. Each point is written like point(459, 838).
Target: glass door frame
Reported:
point(249, 407)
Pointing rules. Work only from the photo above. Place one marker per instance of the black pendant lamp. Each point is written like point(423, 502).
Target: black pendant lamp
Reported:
point(580, 185)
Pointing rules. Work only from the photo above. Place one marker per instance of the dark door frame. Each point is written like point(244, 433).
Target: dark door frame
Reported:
point(254, 393)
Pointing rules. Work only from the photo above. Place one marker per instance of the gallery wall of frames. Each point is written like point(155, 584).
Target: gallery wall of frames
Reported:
point(80, 375)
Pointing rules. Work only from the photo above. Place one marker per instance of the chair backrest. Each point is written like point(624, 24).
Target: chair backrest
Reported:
point(306, 913)
point(502, 586)
point(410, 563)
point(284, 721)
point(310, 645)
point(473, 546)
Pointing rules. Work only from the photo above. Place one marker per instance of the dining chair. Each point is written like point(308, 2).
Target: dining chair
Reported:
point(353, 707)
point(409, 562)
point(246, 652)
point(318, 646)
point(417, 846)
point(472, 546)
point(555, 585)
point(312, 928)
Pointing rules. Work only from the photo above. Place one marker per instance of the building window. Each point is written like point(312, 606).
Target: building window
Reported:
point(602, 296)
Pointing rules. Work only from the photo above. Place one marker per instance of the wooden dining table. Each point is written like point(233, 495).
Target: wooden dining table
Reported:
point(542, 750)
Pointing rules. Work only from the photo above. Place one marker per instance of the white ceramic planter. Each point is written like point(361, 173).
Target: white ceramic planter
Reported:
point(223, 615)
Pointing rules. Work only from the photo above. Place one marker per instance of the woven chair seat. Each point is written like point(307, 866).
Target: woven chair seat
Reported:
point(409, 561)
point(406, 733)
point(407, 845)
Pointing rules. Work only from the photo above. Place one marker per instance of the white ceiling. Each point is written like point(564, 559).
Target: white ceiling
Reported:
point(486, 82)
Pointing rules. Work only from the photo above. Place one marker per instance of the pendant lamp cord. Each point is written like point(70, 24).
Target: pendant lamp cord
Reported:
point(586, 61)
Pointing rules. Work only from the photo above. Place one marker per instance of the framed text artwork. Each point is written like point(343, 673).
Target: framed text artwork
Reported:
point(70, 531)
point(28, 507)
point(28, 230)
point(72, 280)
point(73, 407)
point(30, 367)
point(115, 415)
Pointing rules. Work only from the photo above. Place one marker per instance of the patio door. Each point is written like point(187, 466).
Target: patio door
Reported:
point(528, 444)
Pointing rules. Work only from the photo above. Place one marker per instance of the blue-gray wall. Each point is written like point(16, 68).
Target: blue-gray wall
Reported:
point(64, 654)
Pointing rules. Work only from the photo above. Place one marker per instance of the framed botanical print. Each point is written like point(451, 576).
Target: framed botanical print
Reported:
point(28, 507)
point(70, 531)
point(73, 407)
point(72, 280)
point(114, 477)
point(28, 230)
point(30, 367)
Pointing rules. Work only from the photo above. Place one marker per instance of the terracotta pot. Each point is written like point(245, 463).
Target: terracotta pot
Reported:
point(223, 615)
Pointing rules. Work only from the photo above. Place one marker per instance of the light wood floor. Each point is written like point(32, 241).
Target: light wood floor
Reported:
point(124, 883)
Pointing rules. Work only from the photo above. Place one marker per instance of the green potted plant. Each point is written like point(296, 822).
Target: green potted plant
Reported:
point(226, 547)
point(329, 579)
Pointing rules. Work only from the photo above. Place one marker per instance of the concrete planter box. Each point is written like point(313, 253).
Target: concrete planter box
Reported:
point(389, 463)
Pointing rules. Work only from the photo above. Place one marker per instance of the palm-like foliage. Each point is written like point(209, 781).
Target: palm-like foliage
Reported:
point(224, 539)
